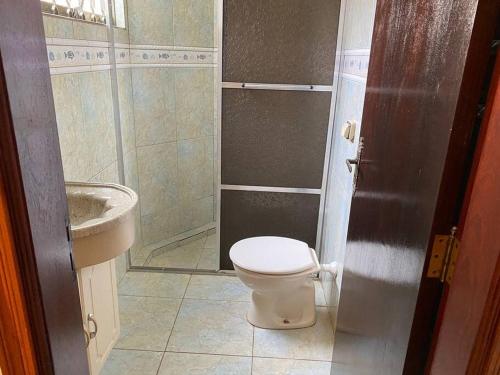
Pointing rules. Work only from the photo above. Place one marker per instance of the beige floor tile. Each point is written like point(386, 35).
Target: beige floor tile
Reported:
point(212, 327)
point(179, 257)
point(209, 260)
point(132, 362)
point(222, 288)
point(204, 364)
point(153, 284)
point(314, 343)
point(272, 366)
point(146, 322)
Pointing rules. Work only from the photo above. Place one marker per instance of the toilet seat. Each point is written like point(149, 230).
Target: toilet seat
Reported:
point(272, 255)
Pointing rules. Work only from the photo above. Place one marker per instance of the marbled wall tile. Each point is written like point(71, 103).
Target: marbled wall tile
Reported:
point(132, 181)
point(97, 107)
point(73, 137)
point(150, 22)
point(196, 167)
point(156, 227)
point(158, 192)
point(194, 23)
point(194, 213)
point(108, 175)
point(57, 27)
point(121, 35)
point(154, 105)
point(126, 103)
point(194, 96)
point(131, 170)
point(358, 24)
point(89, 31)
point(157, 168)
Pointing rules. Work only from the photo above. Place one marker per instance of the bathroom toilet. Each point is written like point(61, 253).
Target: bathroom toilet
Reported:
point(278, 270)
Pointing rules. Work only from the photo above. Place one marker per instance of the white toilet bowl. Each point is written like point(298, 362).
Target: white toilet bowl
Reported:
point(278, 270)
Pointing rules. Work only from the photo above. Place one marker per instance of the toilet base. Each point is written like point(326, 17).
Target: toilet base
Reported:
point(282, 309)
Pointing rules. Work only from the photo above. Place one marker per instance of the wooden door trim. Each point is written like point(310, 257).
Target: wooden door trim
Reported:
point(17, 354)
point(485, 356)
point(21, 256)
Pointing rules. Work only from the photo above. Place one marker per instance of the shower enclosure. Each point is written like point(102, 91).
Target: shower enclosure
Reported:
point(136, 104)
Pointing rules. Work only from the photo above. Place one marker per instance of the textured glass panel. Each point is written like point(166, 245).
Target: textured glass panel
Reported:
point(247, 214)
point(274, 138)
point(280, 41)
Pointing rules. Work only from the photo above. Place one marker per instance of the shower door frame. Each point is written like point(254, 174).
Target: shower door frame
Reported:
point(278, 87)
point(216, 162)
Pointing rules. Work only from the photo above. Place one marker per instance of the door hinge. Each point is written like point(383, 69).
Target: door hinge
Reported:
point(444, 256)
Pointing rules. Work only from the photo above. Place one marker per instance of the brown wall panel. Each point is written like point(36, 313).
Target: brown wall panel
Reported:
point(280, 41)
point(274, 138)
point(247, 214)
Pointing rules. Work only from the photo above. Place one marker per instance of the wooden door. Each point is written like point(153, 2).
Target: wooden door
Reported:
point(421, 52)
point(30, 163)
point(471, 306)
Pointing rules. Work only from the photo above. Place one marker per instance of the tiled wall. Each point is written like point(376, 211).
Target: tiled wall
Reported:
point(353, 52)
point(172, 72)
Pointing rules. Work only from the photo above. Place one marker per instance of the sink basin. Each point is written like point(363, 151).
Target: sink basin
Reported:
point(102, 221)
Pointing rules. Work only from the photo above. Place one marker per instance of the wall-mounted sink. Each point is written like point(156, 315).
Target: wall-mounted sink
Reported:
point(102, 221)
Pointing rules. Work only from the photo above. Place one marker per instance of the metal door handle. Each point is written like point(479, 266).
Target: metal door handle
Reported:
point(90, 318)
point(357, 163)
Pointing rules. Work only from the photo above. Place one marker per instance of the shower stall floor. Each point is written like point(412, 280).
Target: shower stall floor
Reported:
point(199, 253)
point(196, 324)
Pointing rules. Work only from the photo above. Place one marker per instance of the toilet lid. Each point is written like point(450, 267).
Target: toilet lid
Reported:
point(272, 255)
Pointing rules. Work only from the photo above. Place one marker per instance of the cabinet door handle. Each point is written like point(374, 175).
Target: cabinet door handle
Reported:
point(90, 318)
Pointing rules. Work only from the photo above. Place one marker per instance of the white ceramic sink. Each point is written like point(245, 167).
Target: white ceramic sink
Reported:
point(102, 221)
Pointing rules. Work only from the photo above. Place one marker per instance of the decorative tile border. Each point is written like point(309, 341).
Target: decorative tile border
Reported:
point(66, 56)
point(72, 56)
point(170, 56)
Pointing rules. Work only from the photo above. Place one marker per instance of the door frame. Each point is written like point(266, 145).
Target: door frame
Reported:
point(31, 169)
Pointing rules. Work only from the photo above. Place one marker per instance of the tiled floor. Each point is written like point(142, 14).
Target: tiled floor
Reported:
point(195, 324)
point(199, 254)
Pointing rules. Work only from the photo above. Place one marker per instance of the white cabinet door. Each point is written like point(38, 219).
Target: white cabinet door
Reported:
point(99, 297)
